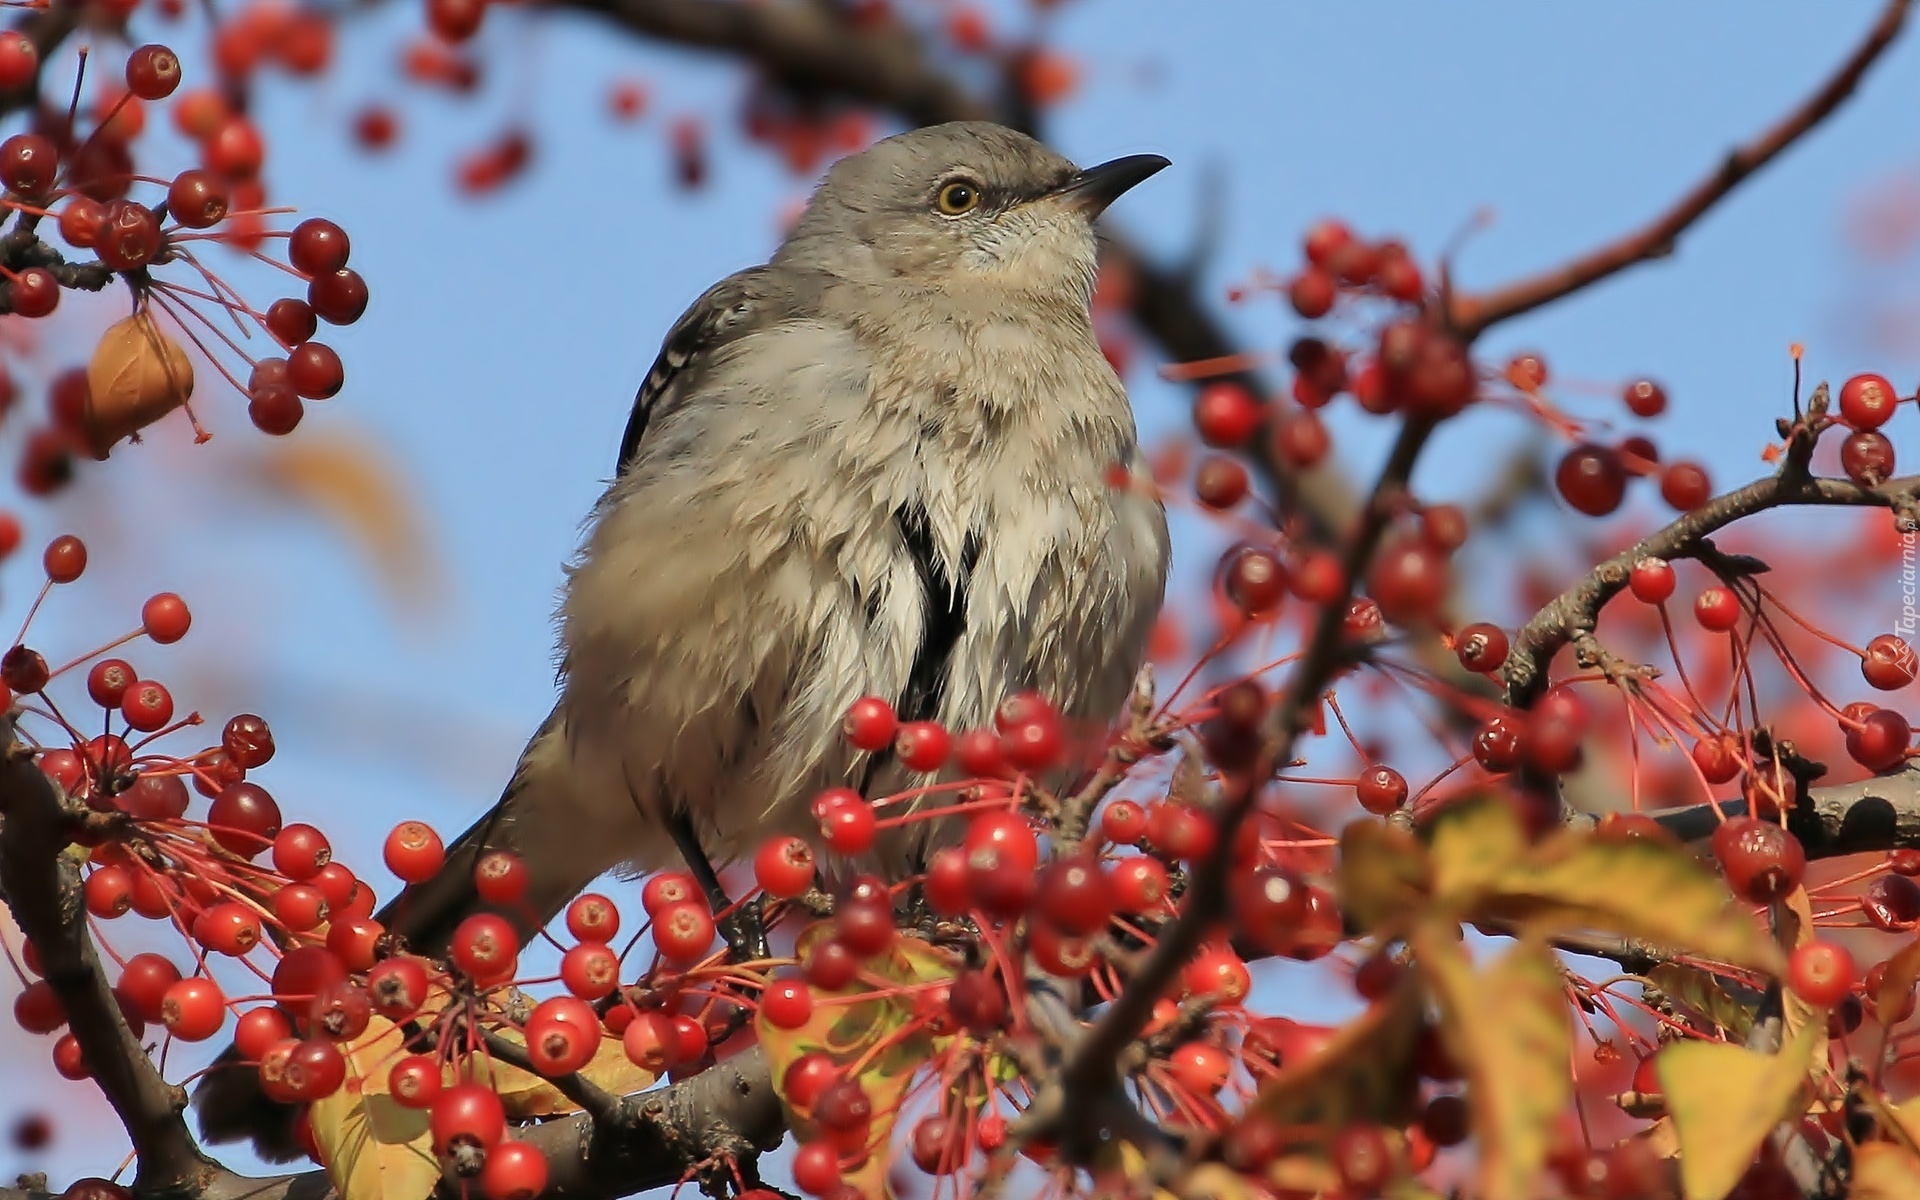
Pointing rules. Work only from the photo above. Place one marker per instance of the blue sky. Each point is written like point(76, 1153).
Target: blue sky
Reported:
point(506, 335)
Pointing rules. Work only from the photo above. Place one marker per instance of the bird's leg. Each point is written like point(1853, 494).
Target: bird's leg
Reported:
point(745, 933)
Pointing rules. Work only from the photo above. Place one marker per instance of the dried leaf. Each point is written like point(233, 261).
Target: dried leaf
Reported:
point(351, 484)
point(1383, 874)
point(1472, 844)
point(136, 376)
point(1795, 931)
point(1633, 887)
point(1724, 1100)
point(374, 1148)
point(875, 1033)
point(1896, 984)
point(1366, 1072)
point(1884, 1171)
point(1507, 1026)
point(1700, 991)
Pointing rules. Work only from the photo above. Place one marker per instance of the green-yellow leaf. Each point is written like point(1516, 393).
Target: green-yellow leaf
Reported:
point(1472, 844)
point(870, 1030)
point(1633, 887)
point(1884, 1171)
point(374, 1148)
point(1724, 1100)
point(1699, 991)
point(1507, 1026)
point(1383, 876)
point(1366, 1072)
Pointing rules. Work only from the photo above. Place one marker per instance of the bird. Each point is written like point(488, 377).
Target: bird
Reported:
point(891, 461)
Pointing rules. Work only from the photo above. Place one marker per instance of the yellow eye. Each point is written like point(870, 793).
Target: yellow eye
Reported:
point(956, 198)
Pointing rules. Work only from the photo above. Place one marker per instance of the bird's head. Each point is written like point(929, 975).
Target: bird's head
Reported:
point(969, 207)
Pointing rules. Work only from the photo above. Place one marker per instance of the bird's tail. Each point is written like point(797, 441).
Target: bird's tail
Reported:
point(231, 1104)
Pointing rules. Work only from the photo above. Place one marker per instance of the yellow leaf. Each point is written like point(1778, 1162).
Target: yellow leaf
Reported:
point(1896, 984)
point(350, 483)
point(1383, 874)
point(136, 376)
point(1699, 991)
point(1507, 1026)
point(1366, 1072)
point(374, 1148)
point(1472, 844)
point(1884, 1171)
point(524, 1094)
point(1902, 1121)
point(1633, 887)
point(873, 1032)
point(1724, 1100)
point(1303, 1173)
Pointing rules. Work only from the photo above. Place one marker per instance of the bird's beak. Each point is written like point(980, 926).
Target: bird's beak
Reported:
point(1096, 187)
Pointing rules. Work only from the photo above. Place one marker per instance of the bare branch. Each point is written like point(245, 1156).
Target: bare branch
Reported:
point(1472, 315)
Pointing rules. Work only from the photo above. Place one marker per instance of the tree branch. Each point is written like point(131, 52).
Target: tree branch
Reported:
point(41, 883)
point(1472, 315)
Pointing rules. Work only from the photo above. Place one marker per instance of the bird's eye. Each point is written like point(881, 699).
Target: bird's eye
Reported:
point(957, 197)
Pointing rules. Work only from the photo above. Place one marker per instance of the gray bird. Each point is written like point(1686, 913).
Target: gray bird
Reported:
point(881, 464)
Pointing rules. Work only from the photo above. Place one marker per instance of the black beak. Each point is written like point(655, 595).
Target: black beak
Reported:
point(1096, 187)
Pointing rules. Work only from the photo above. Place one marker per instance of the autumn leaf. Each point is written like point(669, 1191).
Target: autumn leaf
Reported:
point(1365, 1073)
point(374, 1148)
point(1724, 1100)
point(136, 376)
point(1633, 887)
point(1795, 931)
point(1883, 1171)
point(1472, 844)
point(867, 1029)
point(348, 482)
point(1507, 1027)
point(1896, 984)
point(1383, 873)
point(1699, 991)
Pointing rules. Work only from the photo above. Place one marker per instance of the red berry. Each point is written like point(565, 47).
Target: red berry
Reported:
point(786, 1004)
point(314, 371)
point(922, 745)
point(29, 164)
point(1123, 822)
point(784, 867)
point(1763, 862)
point(248, 741)
point(590, 970)
point(684, 931)
point(1254, 580)
point(1867, 401)
point(816, 1168)
point(486, 947)
point(19, 60)
point(318, 247)
point(416, 1081)
point(672, 887)
point(1226, 414)
point(1311, 293)
point(1221, 482)
point(1821, 972)
point(165, 618)
point(198, 199)
point(1481, 648)
point(1075, 896)
point(467, 1112)
point(235, 149)
point(144, 982)
point(1409, 580)
point(397, 987)
point(1652, 580)
point(413, 852)
point(455, 20)
point(153, 72)
point(1717, 609)
point(1363, 1158)
point(1880, 742)
point(1892, 903)
point(849, 826)
point(64, 560)
point(35, 292)
point(292, 321)
point(37, 1008)
point(1889, 663)
point(870, 724)
point(338, 297)
point(193, 1010)
point(1381, 789)
point(258, 1029)
point(1685, 486)
point(1591, 479)
point(1645, 398)
point(593, 918)
point(1867, 457)
point(147, 706)
point(244, 819)
point(514, 1171)
point(108, 681)
point(129, 236)
point(500, 877)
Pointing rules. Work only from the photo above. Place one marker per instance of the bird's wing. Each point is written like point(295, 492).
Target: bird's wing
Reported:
point(738, 305)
